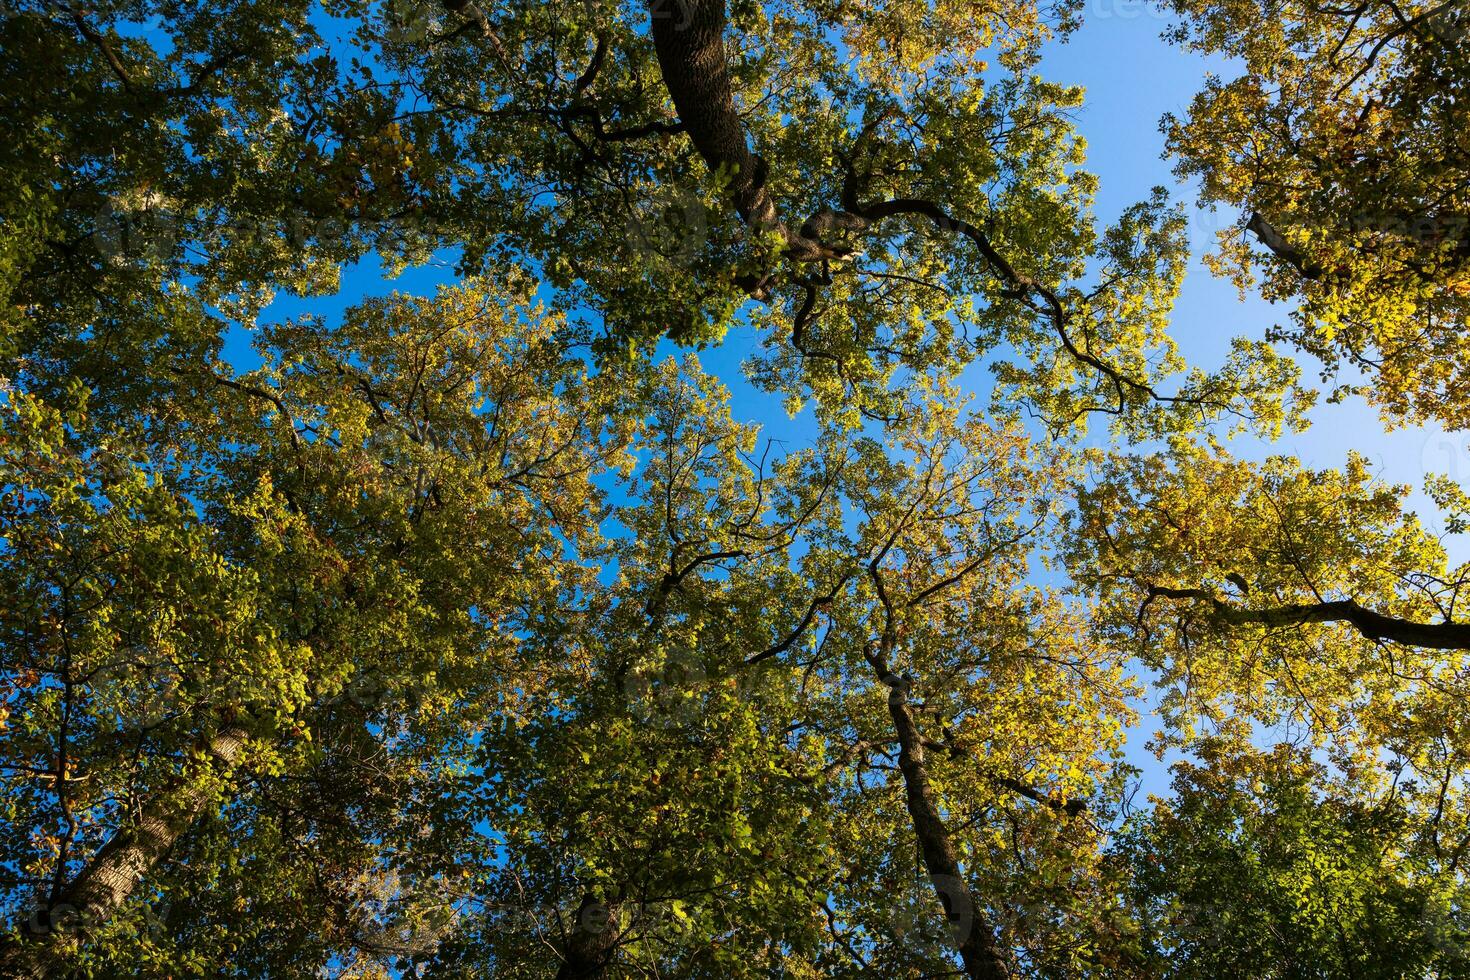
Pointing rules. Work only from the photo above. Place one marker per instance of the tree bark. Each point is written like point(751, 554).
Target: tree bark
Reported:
point(689, 39)
point(39, 947)
point(972, 932)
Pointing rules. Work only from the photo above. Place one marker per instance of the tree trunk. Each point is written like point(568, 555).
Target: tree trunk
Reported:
point(688, 36)
point(973, 937)
point(689, 39)
point(40, 946)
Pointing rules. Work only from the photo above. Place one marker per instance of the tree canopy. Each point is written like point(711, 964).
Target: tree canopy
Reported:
point(473, 632)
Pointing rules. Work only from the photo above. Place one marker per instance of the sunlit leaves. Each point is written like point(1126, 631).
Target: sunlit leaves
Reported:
point(1343, 146)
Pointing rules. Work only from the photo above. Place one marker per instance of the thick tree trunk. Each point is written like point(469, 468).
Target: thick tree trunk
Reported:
point(974, 939)
point(39, 947)
point(688, 36)
point(591, 941)
point(689, 39)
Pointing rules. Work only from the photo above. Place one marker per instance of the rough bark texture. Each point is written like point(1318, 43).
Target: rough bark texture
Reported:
point(38, 947)
point(689, 39)
point(974, 938)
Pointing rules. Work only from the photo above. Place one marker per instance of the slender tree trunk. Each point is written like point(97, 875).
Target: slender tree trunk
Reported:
point(973, 937)
point(39, 947)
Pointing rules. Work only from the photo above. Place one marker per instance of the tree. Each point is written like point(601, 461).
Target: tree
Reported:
point(1262, 867)
point(820, 675)
point(263, 156)
point(1342, 145)
point(158, 145)
point(331, 573)
point(1271, 600)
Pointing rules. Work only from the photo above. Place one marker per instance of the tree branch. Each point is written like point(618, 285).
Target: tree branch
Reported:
point(1372, 625)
